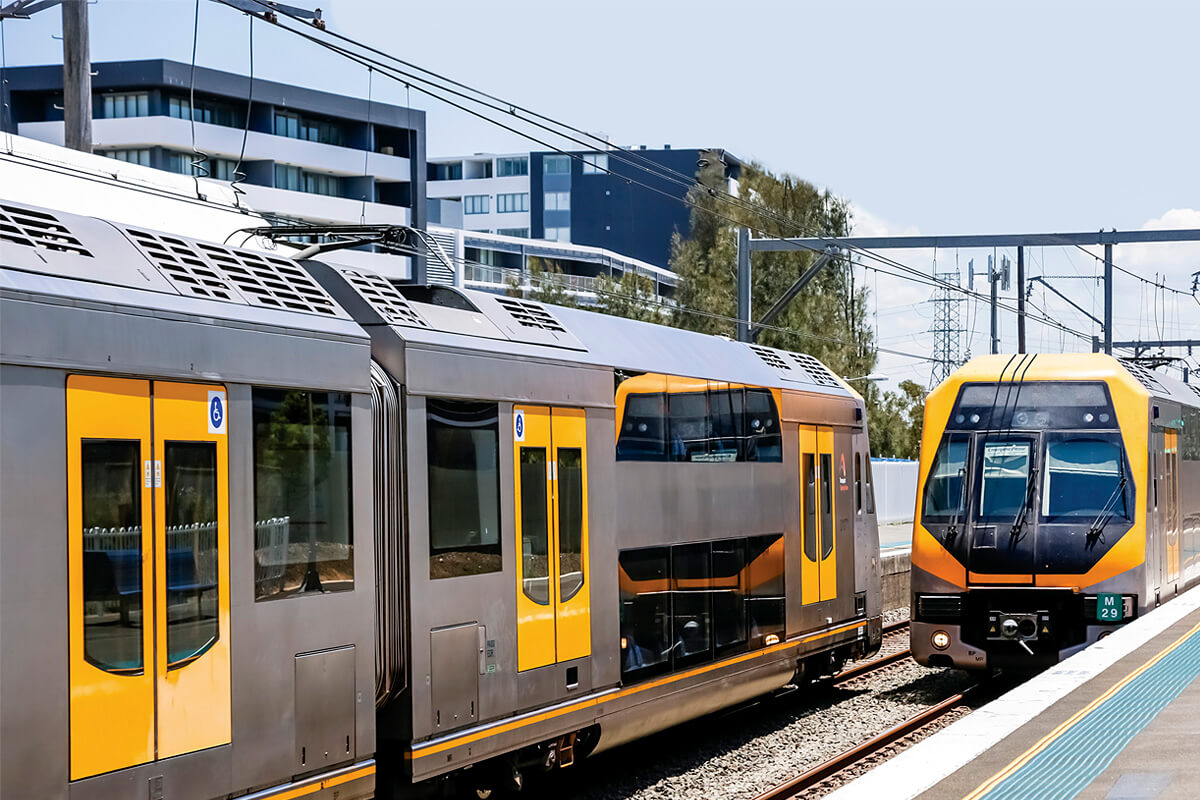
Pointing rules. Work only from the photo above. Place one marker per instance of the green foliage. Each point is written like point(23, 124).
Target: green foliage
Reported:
point(547, 284)
point(631, 296)
point(897, 423)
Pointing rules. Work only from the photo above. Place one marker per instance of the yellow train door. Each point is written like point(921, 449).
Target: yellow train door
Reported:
point(818, 558)
point(148, 571)
point(828, 515)
point(550, 469)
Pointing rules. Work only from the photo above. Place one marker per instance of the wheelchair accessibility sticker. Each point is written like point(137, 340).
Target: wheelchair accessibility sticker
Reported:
point(518, 425)
point(216, 412)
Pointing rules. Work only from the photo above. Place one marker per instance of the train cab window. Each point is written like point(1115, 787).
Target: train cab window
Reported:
point(643, 429)
point(763, 440)
point(112, 555)
point(190, 480)
point(463, 443)
point(691, 590)
point(729, 594)
point(944, 486)
point(1004, 477)
point(302, 530)
point(688, 426)
point(766, 606)
point(645, 611)
point(570, 522)
point(1084, 478)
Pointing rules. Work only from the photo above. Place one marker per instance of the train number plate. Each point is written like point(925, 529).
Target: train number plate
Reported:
point(1110, 607)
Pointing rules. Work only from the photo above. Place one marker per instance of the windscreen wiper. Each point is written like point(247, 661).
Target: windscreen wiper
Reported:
point(1018, 524)
point(1097, 526)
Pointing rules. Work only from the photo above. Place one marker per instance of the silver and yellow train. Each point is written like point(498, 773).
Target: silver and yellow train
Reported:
point(1058, 498)
point(285, 529)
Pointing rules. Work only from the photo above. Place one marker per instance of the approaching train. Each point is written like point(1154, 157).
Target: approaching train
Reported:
point(284, 529)
point(1059, 497)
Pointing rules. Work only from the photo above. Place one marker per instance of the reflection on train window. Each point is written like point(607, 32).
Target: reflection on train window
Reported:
point(190, 481)
point(112, 555)
point(570, 522)
point(1005, 478)
point(688, 426)
point(944, 486)
point(463, 441)
point(826, 504)
point(1083, 478)
point(726, 418)
point(808, 472)
point(691, 592)
point(690, 603)
point(643, 429)
point(535, 528)
point(763, 441)
point(858, 483)
point(302, 528)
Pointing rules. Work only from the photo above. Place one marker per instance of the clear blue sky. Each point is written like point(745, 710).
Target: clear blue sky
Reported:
point(929, 116)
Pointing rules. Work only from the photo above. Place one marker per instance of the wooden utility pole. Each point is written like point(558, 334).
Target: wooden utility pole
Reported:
point(77, 76)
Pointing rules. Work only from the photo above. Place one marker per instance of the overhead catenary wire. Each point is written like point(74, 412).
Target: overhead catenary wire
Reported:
point(238, 175)
point(201, 161)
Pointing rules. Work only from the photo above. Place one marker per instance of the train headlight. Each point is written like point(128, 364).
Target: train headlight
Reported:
point(940, 640)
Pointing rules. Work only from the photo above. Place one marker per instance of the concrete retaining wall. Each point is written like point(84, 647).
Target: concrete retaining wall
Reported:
point(894, 568)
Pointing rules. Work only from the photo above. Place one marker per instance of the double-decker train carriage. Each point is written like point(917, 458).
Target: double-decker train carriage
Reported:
point(1059, 497)
point(265, 524)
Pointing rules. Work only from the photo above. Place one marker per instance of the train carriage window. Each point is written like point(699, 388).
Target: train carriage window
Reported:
point(763, 440)
point(944, 486)
point(570, 522)
point(112, 555)
point(302, 531)
point(689, 426)
point(726, 409)
point(729, 594)
point(643, 429)
point(826, 505)
point(870, 487)
point(644, 578)
point(535, 528)
point(766, 604)
point(1004, 482)
point(809, 472)
point(463, 442)
point(1084, 478)
point(691, 591)
point(858, 483)
point(190, 480)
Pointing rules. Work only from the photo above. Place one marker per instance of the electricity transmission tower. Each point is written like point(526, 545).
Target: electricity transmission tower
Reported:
point(947, 328)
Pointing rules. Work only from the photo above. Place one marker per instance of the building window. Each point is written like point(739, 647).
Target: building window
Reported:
point(556, 165)
point(446, 172)
point(136, 156)
point(221, 169)
point(509, 203)
point(477, 203)
point(299, 180)
point(595, 163)
point(517, 165)
point(210, 111)
point(522, 233)
point(128, 104)
point(303, 539)
point(557, 201)
point(558, 234)
point(463, 444)
point(297, 126)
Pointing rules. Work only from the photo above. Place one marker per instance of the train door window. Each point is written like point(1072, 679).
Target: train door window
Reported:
point(643, 428)
point(1004, 481)
point(826, 504)
point(727, 418)
point(809, 476)
point(766, 606)
point(570, 521)
point(112, 555)
point(858, 483)
point(763, 439)
point(688, 429)
point(303, 538)
point(944, 488)
point(190, 482)
point(644, 580)
point(691, 593)
point(729, 594)
point(870, 486)
point(1084, 478)
point(463, 441)
point(535, 528)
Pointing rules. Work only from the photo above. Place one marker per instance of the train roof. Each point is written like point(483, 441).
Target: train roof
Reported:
point(1073, 367)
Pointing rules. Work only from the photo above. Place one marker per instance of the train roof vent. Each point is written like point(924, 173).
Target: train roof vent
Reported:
point(817, 372)
point(187, 271)
point(38, 229)
point(383, 297)
point(770, 357)
point(531, 315)
point(1145, 377)
point(271, 281)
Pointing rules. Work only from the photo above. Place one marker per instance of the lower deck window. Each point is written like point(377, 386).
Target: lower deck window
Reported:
point(692, 603)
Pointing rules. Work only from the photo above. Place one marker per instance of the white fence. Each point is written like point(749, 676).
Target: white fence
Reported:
point(895, 489)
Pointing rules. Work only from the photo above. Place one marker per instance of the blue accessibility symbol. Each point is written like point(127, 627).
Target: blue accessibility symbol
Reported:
point(216, 411)
point(520, 425)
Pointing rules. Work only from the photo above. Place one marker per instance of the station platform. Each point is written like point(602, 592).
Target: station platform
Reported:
point(1118, 721)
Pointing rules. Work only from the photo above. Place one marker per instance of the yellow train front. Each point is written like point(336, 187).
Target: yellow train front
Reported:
point(1058, 498)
